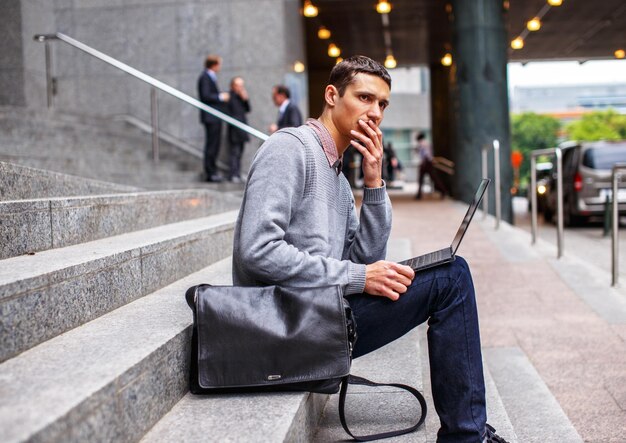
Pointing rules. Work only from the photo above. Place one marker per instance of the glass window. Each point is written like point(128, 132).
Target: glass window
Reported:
point(606, 157)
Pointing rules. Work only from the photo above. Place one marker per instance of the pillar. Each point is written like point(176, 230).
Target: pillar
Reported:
point(480, 97)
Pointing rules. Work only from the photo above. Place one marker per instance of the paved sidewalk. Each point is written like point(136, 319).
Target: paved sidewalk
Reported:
point(561, 313)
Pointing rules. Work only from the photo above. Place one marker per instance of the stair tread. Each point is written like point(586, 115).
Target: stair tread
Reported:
point(87, 363)
point(28, 272)
point(534, 412)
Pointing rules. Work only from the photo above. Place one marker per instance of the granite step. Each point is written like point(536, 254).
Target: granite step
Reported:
point(50, 292)
point(534, 412)
point(110, 379)
point(36, 225)
point(273, 417)
point(19, 182)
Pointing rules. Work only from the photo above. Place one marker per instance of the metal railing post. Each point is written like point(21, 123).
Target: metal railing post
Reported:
point(154, 114)
point(49, 82)
point(496, 165)
point(559, 195)
point(484, 174)
point(615, 235)
point(533, 199)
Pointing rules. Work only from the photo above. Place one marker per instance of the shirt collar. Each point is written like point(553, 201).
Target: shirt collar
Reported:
point(283, 106)
point(328, 144)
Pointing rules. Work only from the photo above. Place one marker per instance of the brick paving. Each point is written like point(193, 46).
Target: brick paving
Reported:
point(526, 303)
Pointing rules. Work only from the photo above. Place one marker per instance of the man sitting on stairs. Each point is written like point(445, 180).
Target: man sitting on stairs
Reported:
point(300, 228)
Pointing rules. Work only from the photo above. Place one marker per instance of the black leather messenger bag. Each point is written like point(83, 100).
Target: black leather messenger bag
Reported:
point(251, 339)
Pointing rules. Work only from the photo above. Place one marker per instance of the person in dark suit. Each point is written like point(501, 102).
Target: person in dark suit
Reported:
point(210, 95)
point(238, 106)
point(288, 113)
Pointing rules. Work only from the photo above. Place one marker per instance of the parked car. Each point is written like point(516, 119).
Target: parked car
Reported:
point(587, 169)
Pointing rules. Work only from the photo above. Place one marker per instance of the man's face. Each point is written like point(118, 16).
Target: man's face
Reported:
point(366, 98)
point(277, 98)
point(237, 85)
point(216, 67)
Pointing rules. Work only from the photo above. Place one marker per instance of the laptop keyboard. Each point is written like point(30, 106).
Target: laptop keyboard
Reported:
point(427, 259)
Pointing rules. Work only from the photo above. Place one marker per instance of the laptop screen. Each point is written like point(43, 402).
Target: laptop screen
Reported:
point(469, 214)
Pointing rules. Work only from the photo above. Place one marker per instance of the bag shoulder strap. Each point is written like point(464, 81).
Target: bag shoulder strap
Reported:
point(354, 380)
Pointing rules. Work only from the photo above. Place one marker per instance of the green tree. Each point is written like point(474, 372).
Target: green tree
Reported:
point(530, 131)
point(598, 125)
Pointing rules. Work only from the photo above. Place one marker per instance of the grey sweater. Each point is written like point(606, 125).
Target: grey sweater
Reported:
point(298, 226)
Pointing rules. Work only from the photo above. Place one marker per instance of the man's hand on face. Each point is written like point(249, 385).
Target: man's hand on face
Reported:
point(387, 279)
point(369, 142)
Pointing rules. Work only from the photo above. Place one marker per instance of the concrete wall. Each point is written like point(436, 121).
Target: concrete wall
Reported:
point(167, 39)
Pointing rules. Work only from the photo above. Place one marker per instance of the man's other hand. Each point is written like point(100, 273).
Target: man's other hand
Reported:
point(387, 279)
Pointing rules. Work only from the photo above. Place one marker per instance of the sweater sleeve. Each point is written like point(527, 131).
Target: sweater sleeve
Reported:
point(274, 191)
point(367, 238)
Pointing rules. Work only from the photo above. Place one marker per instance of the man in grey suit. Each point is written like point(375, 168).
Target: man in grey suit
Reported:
point(288, 113)
point(210, 95)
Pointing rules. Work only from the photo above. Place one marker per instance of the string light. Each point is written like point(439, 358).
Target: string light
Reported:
point(390, 62)
point(517, 43)
point(620, 53)
point(383, 7)
point(446, 60)
point(309, 9)
point(333, 50)
point(555, 2)
point(323, 33)
point(298, 66)
point(338, 60)
point(534, 24)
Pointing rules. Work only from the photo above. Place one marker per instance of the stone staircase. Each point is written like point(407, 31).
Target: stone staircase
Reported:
point(93, 147)
point(95, 335)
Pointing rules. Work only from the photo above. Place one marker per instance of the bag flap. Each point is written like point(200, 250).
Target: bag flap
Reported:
point(258, 336)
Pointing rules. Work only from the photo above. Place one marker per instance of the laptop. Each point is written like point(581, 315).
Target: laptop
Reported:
point(447, 255)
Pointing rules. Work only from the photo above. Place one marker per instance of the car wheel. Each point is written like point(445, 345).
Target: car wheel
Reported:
point(569, 218)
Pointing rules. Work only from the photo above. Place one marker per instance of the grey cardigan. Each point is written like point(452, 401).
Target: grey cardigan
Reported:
point(298, 225)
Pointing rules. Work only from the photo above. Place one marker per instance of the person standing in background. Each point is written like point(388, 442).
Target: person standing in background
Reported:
point(238, 107)
point(210, 95)
point(288, 113)
point(425, 152)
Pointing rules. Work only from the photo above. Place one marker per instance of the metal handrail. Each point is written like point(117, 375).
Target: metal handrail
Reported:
point(615, 237)
point(141, 76)
point(495, 145)
point(559, 195)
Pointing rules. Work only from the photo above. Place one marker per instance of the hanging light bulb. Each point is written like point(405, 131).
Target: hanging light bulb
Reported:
point(446, 60)
point(333, 50)
point(517, 43)
point(309, 9)
point(383, 7)
point(555, 2)
point(620, 53)
point(390, 62)
point(298, 66)
point(323, 33)
point(534, 24)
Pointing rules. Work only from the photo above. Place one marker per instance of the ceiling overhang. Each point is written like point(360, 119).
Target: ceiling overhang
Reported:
point(418, 32)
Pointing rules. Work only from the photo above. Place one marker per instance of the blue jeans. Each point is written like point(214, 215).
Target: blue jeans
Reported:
point(444, 296)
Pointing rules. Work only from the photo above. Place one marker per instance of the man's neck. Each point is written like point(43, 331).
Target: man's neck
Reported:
point(342, 143)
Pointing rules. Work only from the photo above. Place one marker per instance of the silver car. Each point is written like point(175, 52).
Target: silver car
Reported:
point(586, 180)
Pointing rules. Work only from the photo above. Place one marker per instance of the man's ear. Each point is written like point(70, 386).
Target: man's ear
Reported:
point(330, 95)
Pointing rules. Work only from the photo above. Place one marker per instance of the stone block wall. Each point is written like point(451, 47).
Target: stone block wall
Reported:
point(167, 39)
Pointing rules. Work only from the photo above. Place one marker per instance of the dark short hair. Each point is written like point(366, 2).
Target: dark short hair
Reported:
point(211, 61)
point(343, 73)
point(421, 136)
point(283, 90)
